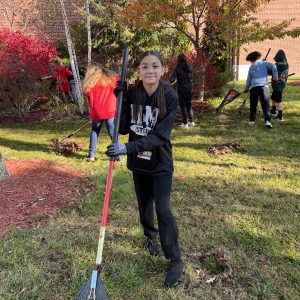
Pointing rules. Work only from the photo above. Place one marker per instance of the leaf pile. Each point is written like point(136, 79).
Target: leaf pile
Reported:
point(65, 147)
point(226, 148)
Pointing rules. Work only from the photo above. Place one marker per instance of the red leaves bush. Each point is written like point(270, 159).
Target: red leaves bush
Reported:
point(205, 74)
point(23, 60)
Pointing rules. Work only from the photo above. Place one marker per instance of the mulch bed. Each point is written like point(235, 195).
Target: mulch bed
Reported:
point(33, 116)
point(226, 148)
point(37, 116)
point(199, 107)
point(36, 190)
point(294, 83)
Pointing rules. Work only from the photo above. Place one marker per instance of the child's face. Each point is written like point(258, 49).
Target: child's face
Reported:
point(150, 70)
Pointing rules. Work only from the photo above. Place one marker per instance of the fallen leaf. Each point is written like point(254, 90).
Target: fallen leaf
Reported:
point(210, 280)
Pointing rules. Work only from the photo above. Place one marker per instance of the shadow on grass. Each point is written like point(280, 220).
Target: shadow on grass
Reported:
point(23, 146)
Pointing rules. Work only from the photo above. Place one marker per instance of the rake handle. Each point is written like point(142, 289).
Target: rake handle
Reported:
point(80, 128)
point(120, 98)
point(109, 178)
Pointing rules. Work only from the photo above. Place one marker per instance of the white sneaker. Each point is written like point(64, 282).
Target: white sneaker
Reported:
point(279, 119)
point(269, 125)
point(251, 123)
point(89, 157)
point(184, 126)
point(191, 124)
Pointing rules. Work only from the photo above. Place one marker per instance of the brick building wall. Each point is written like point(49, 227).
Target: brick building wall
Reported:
point(50, 24)
point(276, 11)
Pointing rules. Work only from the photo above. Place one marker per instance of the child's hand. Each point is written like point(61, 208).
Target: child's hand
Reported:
point(116, 149)
point(120, 87)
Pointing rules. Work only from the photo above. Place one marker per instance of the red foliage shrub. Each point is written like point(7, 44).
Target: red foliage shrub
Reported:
point(23, 60)
point(201, 68)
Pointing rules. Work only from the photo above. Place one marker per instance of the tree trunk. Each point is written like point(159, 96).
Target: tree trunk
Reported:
point(73, 59)
point(88, 26)
point(4, 174)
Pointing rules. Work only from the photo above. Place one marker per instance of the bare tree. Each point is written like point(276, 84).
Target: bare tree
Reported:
point(73, 59)
point(88, 26)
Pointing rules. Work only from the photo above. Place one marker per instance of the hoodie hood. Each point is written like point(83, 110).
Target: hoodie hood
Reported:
point(280, 56)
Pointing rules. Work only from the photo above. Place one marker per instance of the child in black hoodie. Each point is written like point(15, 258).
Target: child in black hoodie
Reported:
point(148, 116)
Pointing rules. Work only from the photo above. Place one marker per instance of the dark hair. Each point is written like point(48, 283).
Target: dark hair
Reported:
point(159, 99)
point(181, 58)
point(253, 56)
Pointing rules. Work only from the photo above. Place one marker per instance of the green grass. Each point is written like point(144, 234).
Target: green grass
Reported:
point(245, 206)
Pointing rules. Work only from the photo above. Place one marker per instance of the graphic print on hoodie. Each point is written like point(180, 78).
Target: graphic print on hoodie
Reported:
point(146, 119)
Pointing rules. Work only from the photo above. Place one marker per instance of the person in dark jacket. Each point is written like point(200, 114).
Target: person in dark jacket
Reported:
point(183, 74)
point(282, 69)
point(148, 115)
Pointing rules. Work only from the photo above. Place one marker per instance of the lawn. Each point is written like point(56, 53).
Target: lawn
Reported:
point(238, 215)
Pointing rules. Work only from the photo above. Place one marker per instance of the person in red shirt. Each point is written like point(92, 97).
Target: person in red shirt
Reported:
point(61, 75)
point(98, 86)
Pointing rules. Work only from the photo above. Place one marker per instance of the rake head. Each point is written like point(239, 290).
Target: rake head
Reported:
point(98, 293)
point(230, 96)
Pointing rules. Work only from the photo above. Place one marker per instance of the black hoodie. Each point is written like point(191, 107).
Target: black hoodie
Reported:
point(183, 74)
point(149, 149)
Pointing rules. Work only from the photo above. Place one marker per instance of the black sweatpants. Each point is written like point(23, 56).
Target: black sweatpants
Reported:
point(261, 93)
point(156, 189)
point(185, 103)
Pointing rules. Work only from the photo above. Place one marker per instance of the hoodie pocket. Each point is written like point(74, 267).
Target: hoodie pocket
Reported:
point(145, 160)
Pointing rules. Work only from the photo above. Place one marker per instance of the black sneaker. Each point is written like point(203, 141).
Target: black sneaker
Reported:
point(273, 111)
point(153, 247)
point(280, 119)
point(174, 272)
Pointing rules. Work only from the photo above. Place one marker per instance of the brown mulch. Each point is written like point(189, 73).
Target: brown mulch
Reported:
point(201, 107)
point(37, 116)
point(36, 190)
point(294, 83)
point(226, 148)
point(34, 116)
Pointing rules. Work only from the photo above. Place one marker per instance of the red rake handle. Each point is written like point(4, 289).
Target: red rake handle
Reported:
point(107, 193)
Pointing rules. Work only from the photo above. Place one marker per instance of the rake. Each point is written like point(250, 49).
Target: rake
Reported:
point(233, 94)
point(94, 288)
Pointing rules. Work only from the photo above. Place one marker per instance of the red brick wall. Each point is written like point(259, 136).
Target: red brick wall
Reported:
point(50, 26)
point(277, 11)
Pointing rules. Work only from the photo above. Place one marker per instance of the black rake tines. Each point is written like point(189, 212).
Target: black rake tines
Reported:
point(230, 96)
